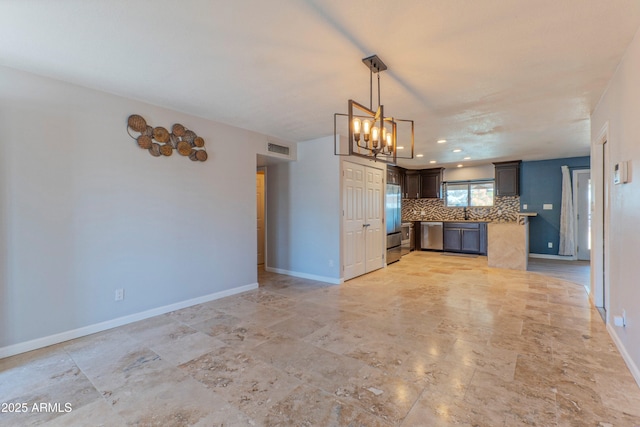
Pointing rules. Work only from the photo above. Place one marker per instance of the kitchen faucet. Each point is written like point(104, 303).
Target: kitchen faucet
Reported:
point(466, 214)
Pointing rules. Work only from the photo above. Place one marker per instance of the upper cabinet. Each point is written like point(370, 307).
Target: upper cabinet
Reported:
point(411, 188)
point(508, 178)
point(431, 183)
point(422, 184)
point(394, 175)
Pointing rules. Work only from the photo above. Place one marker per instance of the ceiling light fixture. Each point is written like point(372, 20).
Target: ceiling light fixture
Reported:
point(371, 134)
point(432, 161)
point(419, 155)
point(457, 150)
point(467, 158)
point(400, 148)
point(460, 166)
point(442, 141)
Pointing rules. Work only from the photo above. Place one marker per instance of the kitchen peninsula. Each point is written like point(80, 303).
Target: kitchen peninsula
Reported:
point(508, 245)
point(507, 242)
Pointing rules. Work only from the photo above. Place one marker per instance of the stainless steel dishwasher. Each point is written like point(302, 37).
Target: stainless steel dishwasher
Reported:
point(431, 236)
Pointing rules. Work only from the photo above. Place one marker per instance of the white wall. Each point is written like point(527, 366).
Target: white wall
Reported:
point(84, 211)
point(620, 107)
point(303, 213)
point(469, 173)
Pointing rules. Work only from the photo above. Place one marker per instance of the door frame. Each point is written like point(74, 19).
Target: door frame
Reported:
point(600, 217)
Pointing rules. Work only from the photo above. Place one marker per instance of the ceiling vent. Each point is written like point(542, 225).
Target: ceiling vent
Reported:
point(282, 150)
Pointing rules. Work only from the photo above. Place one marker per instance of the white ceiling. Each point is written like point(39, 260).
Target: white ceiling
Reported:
point(499, 79)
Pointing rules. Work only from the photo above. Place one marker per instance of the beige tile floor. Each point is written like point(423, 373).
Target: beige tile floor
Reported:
point(430, 341)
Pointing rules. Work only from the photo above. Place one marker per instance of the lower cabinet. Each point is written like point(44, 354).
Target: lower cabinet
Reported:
point(465, 237)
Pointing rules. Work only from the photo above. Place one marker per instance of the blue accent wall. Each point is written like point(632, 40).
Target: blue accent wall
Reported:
point(541, 183)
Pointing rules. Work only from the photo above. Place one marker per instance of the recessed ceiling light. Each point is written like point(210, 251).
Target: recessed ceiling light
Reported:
point(457, 150)
point(459, 166)
point(442, 141)
point(419, 155)
point(432, 161)
point(400, 147)
point(467, 158)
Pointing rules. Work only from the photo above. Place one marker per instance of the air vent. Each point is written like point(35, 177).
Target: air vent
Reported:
point(278, 149)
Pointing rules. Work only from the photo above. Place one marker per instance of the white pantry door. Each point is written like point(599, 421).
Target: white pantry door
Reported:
point(363, 225)
point(375, 244)
point(353, 219)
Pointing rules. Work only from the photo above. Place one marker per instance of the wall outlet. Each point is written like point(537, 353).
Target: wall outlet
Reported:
point(525, 206)
point(119, 294)
point(550, 245)
point(547, 206)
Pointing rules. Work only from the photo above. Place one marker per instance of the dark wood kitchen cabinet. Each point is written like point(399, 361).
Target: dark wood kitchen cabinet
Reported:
point(394, 175)
point(411, 188)
point(508, 178)
point(431, 183)
point(465, 237)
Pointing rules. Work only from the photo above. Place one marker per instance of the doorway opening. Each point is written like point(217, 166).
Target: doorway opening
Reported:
point(260, 217)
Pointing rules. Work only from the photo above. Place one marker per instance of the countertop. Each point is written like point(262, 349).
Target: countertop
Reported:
point(453, 220)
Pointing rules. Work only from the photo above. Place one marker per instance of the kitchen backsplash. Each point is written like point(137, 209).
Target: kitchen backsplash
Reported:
point(505, 209)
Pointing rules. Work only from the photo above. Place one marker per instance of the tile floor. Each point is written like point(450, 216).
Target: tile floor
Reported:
point(430, 341)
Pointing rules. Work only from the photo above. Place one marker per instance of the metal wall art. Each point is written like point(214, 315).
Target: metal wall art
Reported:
point(160, 142)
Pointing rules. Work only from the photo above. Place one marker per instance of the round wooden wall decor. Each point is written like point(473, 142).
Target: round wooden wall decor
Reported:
point(184, 148)
point(144, 142)
point(160, 142)
point(137, 123)
point(178, 129)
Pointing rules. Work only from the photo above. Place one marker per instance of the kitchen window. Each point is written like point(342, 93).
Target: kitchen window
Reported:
point(469, 193)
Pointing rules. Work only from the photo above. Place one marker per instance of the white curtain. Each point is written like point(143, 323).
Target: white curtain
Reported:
point(567, 222)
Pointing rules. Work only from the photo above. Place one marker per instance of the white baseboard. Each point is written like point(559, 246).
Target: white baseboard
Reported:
point(325, 279)
point(623, 351)
point(23, 347)
point(561, 257)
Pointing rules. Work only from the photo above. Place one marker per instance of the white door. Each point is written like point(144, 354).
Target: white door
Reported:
point(375, 230)
point(582, 191)
point(260, 215)
point(363, 219)
point(353, 219)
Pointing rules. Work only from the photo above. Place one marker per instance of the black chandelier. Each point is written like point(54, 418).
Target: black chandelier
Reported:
point(371, 134)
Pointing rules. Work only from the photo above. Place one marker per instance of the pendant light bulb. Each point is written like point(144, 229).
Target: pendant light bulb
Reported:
point(357, 124)
point(366, 129)
point(375, 136)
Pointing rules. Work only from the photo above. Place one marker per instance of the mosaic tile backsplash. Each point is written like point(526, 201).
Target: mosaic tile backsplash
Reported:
point(505, 209)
